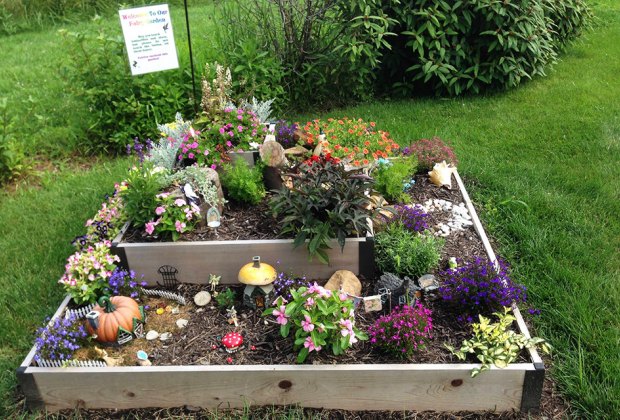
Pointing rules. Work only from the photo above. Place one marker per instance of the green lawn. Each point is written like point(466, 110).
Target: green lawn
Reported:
point(541, 161)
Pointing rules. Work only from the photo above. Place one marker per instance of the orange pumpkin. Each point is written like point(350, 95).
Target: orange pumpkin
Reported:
point(112, 314)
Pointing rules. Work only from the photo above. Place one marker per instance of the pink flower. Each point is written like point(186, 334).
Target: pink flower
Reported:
point(282, 317)
point(149, 227)
point(206, 152)
point(347, 327)
point(222, 131)
point(180, 202)
point(191, 156)
point(239, 117)
point(213, 166)
point(229, 143)
point(309, 344)
point(240, 128)
point(343, 296)
point(309, 303)
point(231, 133)
point(307, 324)
point(159, 210)
point(179, 226)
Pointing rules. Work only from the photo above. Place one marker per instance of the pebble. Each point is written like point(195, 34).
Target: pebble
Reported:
point(144, 362)
point(182, 323)
point(152, 335)
point(199, 310)
point(175, 310)
point(165, 336)
point(202, 298)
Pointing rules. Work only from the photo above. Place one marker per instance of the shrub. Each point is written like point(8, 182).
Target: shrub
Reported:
point(405, 253)
point(353, 141)
point(403, 331)
point(143, 184)
point(568, 19)
point(59, 339)
point(121, 106)
point(174, 216)
point(242, 183)
point(495, 343)
point(431, 151)
point(470, 46)
point(307, 53)
point(319, 318)
point(326, 202)
point(225, 299)
point(393, 176)
point(476, 287)
point(86, 272)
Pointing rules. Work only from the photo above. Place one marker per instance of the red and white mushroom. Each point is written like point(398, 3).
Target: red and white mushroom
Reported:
point(232, 341)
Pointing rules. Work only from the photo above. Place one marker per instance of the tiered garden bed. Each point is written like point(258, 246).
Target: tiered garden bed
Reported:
point(382, 386)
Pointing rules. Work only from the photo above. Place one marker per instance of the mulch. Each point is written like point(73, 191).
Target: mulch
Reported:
point(199, 342)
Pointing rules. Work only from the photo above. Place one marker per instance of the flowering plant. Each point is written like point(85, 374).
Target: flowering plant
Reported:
point(476, 287)
point(285, 134)
point(234, 131)
point(108, 221)
point(319, 318)
point(284, 283)
point(403, 331)
point(412, 217)
point(123, 283)
point(175, 216)
point(430, 152)
point(86, 272)
point(59, 339)
point(354, 141)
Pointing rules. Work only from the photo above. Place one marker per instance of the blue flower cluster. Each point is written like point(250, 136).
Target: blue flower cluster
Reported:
point(123, 282)
point(285, 133)
point(476, 287)
point(59, 339)
point(413, 218)
point(284, 283)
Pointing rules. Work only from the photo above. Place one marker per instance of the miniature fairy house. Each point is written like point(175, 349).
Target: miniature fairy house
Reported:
point(116, 320)
point(258, 278)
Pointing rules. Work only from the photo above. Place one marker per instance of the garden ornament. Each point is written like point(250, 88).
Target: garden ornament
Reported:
point(232, 342)
point(115, 320)
point(441, 175)
point(258, 278)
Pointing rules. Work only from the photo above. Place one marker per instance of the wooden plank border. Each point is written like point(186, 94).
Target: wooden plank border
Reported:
point(443, 387)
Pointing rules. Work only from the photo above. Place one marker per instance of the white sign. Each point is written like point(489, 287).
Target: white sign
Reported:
point(149, 39)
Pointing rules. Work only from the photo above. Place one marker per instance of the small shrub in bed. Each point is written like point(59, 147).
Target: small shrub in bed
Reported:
point(242, 183)
point(392, 177)
point(406, 253)
point(403, 331)
point(476, 288)
point(431, 151)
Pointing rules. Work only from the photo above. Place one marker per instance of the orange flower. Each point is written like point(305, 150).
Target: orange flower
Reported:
point(356, 162)
point(330, 119)
point(337, 147)
point(356, 148)
point(350, 131)
point(365, 161)
point(375, 156)
point(366, 143)
point(372, 124)
point(346, 150)
point(395, 146)
point(365, 151)
point(340, 122)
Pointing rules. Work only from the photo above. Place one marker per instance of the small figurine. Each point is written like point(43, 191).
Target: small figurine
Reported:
point(214, 281)
point(232, 316)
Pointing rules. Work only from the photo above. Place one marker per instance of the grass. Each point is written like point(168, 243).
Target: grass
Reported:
point(542, 162)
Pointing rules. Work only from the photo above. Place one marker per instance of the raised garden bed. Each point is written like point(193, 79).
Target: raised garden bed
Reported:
point(442, 387)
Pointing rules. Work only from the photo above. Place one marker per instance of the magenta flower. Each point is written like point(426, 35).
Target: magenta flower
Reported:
point(228, 143)
point(222, 131)
point(309, 344)
point(282, 317)
point(307, 324)
point(309, 303)
point(240, 117)
point(240, 128)
point(149, 227)
point(179, 226)
point(160, 210)
point(179, 202)
point(191, 156)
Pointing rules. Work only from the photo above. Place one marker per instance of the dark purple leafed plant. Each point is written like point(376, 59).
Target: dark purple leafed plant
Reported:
point(59, 339)
point(403, 331)
point(285, 133)
point(123, 282)
point(284, 283)
point(413, 218)
point(477, 288)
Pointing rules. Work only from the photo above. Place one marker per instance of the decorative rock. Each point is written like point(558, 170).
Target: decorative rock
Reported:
point(165, 336)
point(346, 281)
point(146, 362)
point(141, 355)
point(182, 323)
point(272, 154)
point(389, 281)
point(202, 298)
point(428, 282)
point(175, 311)
point(152, 335)
point(297, 150)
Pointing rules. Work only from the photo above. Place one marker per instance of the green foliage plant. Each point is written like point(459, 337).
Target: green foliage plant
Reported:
point(392, 176)
point(318, 52)
point(121, 106)
point(225, 299)
point(319, 318)
point(201, 181)
point(143, 184)
point(495, 343)
point(242, 183)
point(469, 46)
point(325, 202)
point(12, 158)
point(569, 19)
point(406, 253)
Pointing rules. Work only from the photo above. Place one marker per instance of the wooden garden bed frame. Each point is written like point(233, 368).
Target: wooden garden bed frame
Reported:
point(441, 387)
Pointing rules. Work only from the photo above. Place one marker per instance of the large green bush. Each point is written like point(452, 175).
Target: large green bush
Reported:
point(121, 106)
point(469, 46)
point(321, 52)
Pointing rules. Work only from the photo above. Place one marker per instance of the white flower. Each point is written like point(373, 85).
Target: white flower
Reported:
point(254, 145)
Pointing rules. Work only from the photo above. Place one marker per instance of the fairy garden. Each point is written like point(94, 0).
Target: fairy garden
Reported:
point(428, 292)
